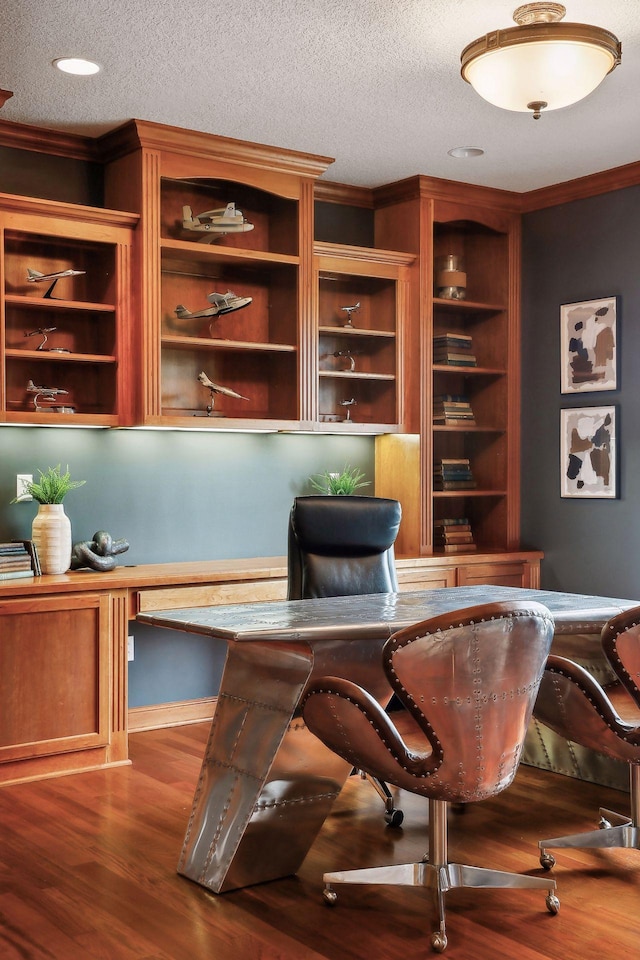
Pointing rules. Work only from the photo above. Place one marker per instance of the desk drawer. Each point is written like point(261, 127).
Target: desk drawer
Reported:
point(210, 594)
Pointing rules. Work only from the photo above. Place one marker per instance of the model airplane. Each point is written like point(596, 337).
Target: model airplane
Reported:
point(217, 388)
point(348, 404)
point(34, 276)
point(42, 332)
point(215, 223)
point(48, 395)
point(222, 303)
point(349, 311)
point(348, 355)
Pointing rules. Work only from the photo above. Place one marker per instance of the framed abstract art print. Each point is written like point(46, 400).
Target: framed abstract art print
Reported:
point(589, 345)
point(588, 452)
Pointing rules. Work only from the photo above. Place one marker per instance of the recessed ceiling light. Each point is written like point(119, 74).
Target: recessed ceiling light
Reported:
point(77, 66)
point(463, 153)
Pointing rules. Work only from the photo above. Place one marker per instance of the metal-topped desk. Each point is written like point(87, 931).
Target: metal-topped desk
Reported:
point(266, 784)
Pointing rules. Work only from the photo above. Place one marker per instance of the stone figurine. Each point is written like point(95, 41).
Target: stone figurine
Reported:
point(99, 553)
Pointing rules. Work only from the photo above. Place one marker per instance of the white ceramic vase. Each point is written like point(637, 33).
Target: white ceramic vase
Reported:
point(51, 533)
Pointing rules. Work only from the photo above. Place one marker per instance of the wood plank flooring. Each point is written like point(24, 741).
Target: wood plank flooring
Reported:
point(88, 872)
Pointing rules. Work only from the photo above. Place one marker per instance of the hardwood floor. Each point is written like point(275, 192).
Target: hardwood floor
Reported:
point(88, 872)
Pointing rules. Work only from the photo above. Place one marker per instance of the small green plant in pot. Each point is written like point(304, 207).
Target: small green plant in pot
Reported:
point(51, 529)
point(52, 487)
point(343, 484)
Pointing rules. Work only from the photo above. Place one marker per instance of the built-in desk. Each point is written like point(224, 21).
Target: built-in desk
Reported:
point(266, 784)
point(63, 645)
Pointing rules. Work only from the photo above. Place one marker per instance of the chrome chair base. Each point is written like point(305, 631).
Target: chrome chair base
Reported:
point(616, 830)
point(392, 814)
point(439, 878)
point(621, 835)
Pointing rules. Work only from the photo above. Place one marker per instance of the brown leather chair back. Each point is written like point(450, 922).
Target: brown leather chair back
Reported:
point(469, 680)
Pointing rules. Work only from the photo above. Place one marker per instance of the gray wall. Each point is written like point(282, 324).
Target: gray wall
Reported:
point(175, 495)
point(581, 251)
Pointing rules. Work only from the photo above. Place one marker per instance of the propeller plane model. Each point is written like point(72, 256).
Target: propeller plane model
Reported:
point(215, 223)
point(221, 303)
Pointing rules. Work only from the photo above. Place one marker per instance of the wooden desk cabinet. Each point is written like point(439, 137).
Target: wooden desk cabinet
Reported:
point(63, 645)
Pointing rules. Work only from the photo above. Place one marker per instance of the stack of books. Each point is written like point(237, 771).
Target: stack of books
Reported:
point(453, 535)
point(453, 409)
point(454, 350)
point(453, 474)
point(18, 560)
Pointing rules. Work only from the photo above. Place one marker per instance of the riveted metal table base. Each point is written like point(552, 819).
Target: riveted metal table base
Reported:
point(266, 785)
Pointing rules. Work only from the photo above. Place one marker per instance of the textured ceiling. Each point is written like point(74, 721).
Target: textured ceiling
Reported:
point(373, 83)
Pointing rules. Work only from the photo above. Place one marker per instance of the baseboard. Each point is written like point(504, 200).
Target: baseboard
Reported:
point(175, 714)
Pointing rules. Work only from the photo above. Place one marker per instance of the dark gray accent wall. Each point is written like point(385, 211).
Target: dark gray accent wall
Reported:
point(175, 495)
point(580, 251)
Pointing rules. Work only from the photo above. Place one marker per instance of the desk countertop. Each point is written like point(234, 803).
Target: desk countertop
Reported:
point(375, 615)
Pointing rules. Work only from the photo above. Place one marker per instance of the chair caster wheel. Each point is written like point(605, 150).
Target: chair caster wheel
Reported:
point(330, 896)
point(547, 861)
point(439, 941)
point(553, 904)
point(394, 818)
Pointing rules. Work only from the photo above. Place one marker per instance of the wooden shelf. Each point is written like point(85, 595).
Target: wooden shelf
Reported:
point(84, 322)
point(46, 356)
point(201, 343)
point(486, 237)
point(370, 286)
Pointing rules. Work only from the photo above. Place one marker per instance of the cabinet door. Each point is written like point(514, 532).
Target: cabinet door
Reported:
point(54, 676)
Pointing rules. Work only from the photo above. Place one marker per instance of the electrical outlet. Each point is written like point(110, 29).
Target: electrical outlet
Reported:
point(22, 480)
point(130, 650)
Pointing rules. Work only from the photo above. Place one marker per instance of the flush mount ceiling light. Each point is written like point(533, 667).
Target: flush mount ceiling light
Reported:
point(77, 66)
point(541, 64)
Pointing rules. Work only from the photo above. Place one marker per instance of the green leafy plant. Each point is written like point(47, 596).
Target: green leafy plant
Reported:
point(342, 484)
point(52, 487)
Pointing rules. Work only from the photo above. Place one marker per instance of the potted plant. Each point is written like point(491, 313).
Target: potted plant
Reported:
point(343, 484)
point(51, 530)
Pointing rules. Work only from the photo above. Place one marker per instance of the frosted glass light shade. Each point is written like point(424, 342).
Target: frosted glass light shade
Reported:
point(552, 64)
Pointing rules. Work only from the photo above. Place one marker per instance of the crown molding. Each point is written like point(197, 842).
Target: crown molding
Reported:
point(22, 136)
point(193, 143)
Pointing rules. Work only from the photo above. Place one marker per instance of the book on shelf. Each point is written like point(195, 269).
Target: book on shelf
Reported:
point(16, 548)
point(453, 475)
point(7, 566)
point(26, 550)
point(461, 340)
point(453, 535)
point(16, 575)
point(455, 349)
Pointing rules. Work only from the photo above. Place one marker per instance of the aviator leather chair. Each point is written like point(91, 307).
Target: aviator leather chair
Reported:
point(344, 546)
point(469, 680)
point(577, 707)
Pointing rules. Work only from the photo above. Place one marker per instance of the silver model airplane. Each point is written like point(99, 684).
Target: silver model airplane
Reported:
point(42, 332)
point(34, 276)
point(215, 223)
point(215, 388)
point(47, 392)
point(349, 311)
point(348, 404)
point(222, 303)
point(48, 395)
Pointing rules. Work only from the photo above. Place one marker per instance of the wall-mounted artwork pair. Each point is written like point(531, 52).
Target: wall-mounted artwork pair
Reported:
point(589, 362)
